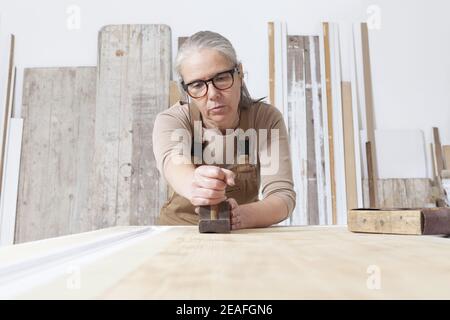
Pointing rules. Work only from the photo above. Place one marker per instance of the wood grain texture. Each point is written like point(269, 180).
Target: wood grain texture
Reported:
point(58, 108)
point(134, 66)
point(269, 263)
point(401, 193)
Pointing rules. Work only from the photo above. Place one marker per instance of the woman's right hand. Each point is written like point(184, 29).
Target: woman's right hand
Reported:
point(209, 184)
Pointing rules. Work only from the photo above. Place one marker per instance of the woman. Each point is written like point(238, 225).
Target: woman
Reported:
point(218, 100)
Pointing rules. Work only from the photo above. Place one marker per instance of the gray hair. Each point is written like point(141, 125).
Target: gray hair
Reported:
point(211, 40)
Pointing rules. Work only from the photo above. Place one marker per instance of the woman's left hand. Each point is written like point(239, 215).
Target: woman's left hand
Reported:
point(239, 220)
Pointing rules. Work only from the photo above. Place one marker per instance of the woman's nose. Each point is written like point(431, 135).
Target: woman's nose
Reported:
point(212, 91)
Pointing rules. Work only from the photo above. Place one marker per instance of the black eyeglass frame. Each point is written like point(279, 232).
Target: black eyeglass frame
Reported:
point(231, 71)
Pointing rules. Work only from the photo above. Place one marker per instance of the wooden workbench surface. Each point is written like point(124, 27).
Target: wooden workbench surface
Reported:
point(272, 263)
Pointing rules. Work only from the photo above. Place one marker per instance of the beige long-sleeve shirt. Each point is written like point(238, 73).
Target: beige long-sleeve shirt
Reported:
point(276, 176)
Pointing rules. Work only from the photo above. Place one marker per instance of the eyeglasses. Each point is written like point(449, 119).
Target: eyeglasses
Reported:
point(221, 81)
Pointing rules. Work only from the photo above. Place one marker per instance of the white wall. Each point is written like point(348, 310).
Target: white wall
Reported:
point(410, 64)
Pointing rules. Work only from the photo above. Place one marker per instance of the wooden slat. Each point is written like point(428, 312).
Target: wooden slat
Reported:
point(349, 147)
point(368, 93)
point(58, 108)
point(271, 36)
point(326, 35)
point(311, 173)
point(168, 266)
point(446, 155)
point(372, 182)
point(134, 67)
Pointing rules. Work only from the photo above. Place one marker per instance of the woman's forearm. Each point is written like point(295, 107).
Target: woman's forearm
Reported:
point(179, 174)
point(265, 213)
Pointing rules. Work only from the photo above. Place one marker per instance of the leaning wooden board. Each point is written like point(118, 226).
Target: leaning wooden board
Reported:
point(400, 221)
point(273, 263)
point(58, 108)
point(134, 67)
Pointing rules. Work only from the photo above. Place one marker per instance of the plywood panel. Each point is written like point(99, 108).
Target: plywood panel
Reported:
point(134, 67)
point(59, 111)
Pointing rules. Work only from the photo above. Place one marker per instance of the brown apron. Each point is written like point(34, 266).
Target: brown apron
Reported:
point(179, 210)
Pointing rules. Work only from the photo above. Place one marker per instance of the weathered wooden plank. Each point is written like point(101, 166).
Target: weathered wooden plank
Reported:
point(296, 124)
point(311, 173)
point(369, 109)
point(58, 108)
point(402, 193)
point(134, 67)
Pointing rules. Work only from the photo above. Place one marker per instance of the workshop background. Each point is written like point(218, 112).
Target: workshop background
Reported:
point(363, 86)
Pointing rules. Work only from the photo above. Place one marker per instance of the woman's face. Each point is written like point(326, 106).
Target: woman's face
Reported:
point(218, 107)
